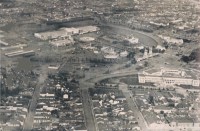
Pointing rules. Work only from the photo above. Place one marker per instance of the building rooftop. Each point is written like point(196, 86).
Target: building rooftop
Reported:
point(184, 120)
point(173, 73)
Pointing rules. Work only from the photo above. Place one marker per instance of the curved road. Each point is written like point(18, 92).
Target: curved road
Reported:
point(89, 80)
point(147, 39)
point(144, 38)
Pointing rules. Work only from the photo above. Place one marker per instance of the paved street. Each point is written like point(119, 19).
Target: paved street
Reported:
point(120, 74)
point(127, 94)
point(88, 111)
point(28, 125)
point(30, 117)
point(142, 123)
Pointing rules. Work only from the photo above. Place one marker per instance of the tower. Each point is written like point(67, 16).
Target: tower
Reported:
point(145, 53)
point(150, 50)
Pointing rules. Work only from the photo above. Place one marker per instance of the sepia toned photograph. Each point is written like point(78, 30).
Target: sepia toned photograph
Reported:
point(99, 65)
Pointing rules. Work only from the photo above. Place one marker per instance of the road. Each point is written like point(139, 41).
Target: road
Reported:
point(147, 39)
point(144, 38)
point(132, 105)
point(89, 80)
point(89, 83)
point(93, 78)
point(31, 111)
point(28, 124)
point(89, 116)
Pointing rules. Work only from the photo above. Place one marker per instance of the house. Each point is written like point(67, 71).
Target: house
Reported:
point(183, 122)
point(65, 96)
point(80, 127)
point(13, 123)
point(47, 96)
point(121, 98)
point(163, 108)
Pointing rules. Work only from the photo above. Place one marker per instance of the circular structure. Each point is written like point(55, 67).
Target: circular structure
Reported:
point(87, 39)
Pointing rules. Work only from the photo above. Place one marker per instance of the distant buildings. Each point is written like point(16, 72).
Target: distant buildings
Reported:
point(168, 77)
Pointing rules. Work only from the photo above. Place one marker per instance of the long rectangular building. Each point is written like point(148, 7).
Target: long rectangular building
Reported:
point(168, 77)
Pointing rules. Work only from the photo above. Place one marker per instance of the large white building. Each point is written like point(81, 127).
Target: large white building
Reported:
point(165, 76)
point(65, 32)
point(63, 36)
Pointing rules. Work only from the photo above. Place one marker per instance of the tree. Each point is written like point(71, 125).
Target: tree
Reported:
point(131, 55)
point(55, 113)
point(161, 112)
point(185, 59)
point(146, 64)
point(151, 100)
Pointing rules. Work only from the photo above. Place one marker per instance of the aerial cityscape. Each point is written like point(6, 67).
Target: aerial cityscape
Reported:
point(99, 65)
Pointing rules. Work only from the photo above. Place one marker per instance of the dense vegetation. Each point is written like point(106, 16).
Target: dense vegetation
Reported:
point(194, 56)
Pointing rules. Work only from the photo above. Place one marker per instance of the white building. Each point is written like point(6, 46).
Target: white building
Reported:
point(54, 67)
point(51, 34)
point(124, 54)
point(63, 36)
point(159, 47)
point(62, 42)
point(132, 40)
point(65, 96)
point(168, 77)
point(172, 40)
